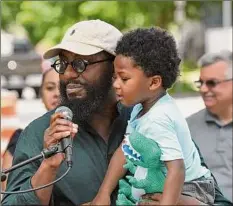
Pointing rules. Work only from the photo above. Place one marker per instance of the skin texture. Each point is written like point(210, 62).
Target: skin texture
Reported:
point(218, 100)
point(133, 86)
point(50, 90)
point(85, 93)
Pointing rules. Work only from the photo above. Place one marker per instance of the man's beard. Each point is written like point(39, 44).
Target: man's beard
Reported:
point(93, 102)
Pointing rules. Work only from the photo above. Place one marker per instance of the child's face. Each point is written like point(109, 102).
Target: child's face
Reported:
point(130, 82)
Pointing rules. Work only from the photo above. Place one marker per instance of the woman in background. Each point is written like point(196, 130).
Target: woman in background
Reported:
point(50, 96)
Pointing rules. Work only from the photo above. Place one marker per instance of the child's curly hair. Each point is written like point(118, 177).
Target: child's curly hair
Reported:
point(154, 49)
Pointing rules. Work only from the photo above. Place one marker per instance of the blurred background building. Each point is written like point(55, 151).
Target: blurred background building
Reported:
point(19, 64)
point(211, 33)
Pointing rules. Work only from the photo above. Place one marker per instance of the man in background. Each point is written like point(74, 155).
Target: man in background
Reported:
point(211, 128)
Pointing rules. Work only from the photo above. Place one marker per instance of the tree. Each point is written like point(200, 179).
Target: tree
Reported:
point(46, 21)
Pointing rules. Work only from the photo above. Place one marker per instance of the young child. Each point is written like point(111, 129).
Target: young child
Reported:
point(157, 148)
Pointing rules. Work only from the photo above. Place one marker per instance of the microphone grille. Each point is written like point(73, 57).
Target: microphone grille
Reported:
point(66, 111)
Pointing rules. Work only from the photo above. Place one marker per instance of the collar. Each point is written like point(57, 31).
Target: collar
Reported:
point(209, 117)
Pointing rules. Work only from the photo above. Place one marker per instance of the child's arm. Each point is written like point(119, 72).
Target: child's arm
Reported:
point(174, 182)
point(114, 173)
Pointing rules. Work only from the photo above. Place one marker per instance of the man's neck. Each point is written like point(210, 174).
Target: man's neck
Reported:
point(224, 114)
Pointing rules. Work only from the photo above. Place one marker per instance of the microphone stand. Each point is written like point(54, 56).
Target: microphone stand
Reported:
point(46, 153)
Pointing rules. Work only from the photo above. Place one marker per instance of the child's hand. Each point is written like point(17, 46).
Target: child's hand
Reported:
point(101, 199)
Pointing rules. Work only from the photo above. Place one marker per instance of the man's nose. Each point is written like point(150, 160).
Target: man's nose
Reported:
point(70, 73)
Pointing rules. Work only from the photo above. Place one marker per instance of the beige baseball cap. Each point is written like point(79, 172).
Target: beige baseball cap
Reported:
point(87, 38)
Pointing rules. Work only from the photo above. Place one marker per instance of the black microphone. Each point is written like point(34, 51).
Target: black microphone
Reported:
point(66, 143)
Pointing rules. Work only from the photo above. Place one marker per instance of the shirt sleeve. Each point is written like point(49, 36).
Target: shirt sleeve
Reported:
point(162, 130)
point(20, 179)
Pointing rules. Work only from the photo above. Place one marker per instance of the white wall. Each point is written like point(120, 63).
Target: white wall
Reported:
point(217, 39)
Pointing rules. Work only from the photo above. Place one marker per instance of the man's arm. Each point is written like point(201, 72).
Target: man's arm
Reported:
point(155, 199)
point(31, 142)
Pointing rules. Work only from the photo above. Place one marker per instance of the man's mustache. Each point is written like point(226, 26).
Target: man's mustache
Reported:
point(65, 83)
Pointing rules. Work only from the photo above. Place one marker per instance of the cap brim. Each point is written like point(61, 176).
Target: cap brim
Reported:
point(74, 47)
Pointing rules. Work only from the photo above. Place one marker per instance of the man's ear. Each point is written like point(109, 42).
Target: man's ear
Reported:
point(155, 83)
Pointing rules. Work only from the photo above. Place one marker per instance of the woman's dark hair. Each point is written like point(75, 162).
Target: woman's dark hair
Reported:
point(154, 50)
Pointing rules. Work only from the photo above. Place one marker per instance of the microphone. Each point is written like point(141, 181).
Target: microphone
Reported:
point(66, 143)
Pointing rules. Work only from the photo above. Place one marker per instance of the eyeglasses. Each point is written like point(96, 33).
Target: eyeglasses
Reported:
point(78, 65)
point(211, 83)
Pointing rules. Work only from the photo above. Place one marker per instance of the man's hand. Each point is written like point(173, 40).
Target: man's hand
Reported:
point(154, 199)
point(87, 203)
point(58, 129)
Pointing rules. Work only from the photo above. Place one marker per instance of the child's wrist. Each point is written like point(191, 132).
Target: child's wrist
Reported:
point(105, 192)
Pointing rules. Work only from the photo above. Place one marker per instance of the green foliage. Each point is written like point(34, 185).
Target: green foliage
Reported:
point(48, 20)
point(9, 11)
point(182, 87)
point(188, 65)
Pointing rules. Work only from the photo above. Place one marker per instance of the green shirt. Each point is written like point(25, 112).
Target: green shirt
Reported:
point(91, 155)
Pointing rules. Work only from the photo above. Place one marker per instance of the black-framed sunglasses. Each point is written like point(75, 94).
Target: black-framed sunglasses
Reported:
point(211, 83)
point(78, 65)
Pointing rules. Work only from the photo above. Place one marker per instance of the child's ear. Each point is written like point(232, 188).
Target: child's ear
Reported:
point(156, 82)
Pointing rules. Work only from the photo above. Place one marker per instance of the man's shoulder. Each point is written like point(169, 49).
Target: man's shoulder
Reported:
point(197, 117)
point(41, 122)
point(32, 136)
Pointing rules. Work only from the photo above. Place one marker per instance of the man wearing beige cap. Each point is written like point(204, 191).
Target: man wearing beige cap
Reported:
point(85, 67)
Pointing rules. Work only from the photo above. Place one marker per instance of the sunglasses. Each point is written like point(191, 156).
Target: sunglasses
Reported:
point(78, 65)
point(211, 83)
